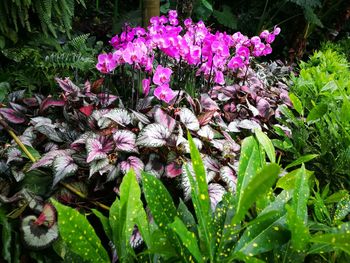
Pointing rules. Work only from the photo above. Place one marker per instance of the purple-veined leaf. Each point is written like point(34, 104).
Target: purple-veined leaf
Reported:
point(185, 181)
point(30, 102)
point(47, 159)
point(233, 126)
point(97, 148)
point(233, 146)
point(17, 95)
point(216, 192)
point(180, 139)
point(208, 104)
point(48, 102)
point(50, 146)
point(125, 141)
point(13, 154)
point(206, 132)
point(173, 170)
point(153, 135)
point(40, 120)
point(63, 166)
point(141, 117)
point(249, 125)
point(188, 118)
point(136, 238)
point(264, 108)
point(97, 165)
point(49, 131)
point(12, 116)
point(28, 136)
point(132, 162)
point(87, 109)
point(211, 163)
point(18, 108)
point(106, 99)
point(229, 177)
point(205, 117)
point(219, 121)
point(197, 142)
point(154, 166)
point(223, 97)
point(68, 86)
point(164, 119)
point(252, 109)
point(113, 172)
point(120, 116)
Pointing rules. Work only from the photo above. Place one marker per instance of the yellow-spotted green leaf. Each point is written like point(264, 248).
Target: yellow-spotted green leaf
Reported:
point(336, 240)
point(105, 223)
point(264, 236)
point(317, 112)
point(302, 159)
point(301, 194)
point(123, 214)
point(200, 198)
point(245, 258)
point(336, 197)
point(79, 236)
point(188, 238)
point(299, 231)
point(298, 106)
point(158, 200)
point(266, 144)
point(259, 184)
point(186, 216)
point(249, 163)
point(343, 209)
point(287, 182)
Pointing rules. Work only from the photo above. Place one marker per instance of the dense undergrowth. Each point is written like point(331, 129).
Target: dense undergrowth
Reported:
point(167, 156)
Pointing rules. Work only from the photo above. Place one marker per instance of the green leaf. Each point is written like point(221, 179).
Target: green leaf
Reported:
point(226, 17)
point(296, 103)
point(264, 236)
point(336, 240)
point(188, 238)
point(317, 112)
point(32, 151)
point(336, 197)
point(245, 258)
point(5, 236)
point(300, 232)
point(78, 234)
point(200, 198)
point(207, 5)
point(258, 185)
point(249, 163)
point(343, 209)
point(158, 200)
point(105, 223)
point(186, 216)
point(287, 182)
point(266, 144)
point(301, 194)
point(302, 159)
point(123, 214)
point(345, 111)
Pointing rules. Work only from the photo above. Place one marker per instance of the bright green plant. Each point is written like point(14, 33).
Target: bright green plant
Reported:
point(321, 121)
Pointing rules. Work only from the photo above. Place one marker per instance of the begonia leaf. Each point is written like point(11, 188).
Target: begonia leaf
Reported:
point(164, 119)
point(153, 135)
point(125, 141)
point(190, 120)
point(63, 166)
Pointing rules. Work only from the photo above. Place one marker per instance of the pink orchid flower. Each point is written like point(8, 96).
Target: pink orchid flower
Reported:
point(164, 93)
point(106, 63)
point(146, 86)
point(162, 75)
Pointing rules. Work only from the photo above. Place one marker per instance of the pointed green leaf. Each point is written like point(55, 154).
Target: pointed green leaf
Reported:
point(343, 209)
point(78, 234)
point(300, 232)
point(296, 103)
point(266, 144)
point(200, 199)
point(336, 240)
point(345, 111)
point(302, 159)
point(249, 164)
point(245, 258)
point(186, 216)
point(301, 194)
point(317, 112)
point(287, 182)
point(259, 185)
point(188, 238)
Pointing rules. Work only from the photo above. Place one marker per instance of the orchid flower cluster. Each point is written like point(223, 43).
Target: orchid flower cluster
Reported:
point(211, 55)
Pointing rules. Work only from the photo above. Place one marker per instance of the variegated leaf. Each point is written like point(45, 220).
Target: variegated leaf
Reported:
point(132, 162)
point(125, 141)
point(249, 125)
point(12, 116)
point(207, 103)
point(164, 119)
point(190, 120)
point(206, 132)
point(120, 116)
point(94, 150)
point(229, 177)
point(155, 166)
point(216, 192)
point(173, 170)
point(98, 165)
point(141, 117)
point(67, 85)
point(47, 159)
point(153, 135)
point(63, 166)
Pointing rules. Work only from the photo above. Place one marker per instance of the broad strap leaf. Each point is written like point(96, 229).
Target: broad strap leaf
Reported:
point(300, 232)
point(188, 118)
point(187, 237)
point(301, 194)
point(153, 135)
point(260, 184)
point(266, 144)
point(125, 141)
point(79, 235)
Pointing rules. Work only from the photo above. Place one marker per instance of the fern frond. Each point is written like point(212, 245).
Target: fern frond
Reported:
point(69, 61)
point(79, 42)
